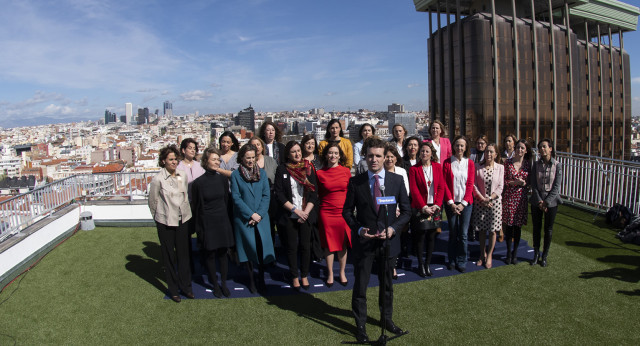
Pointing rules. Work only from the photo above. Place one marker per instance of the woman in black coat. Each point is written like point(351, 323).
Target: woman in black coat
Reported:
point(215, 235)
point(295, 191)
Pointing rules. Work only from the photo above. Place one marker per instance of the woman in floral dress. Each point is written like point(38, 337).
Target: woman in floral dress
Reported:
point(514, 200)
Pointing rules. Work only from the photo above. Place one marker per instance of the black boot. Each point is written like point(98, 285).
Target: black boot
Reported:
point(514, 255)
point(216, 290)
point(536, 255)
point(507, 259)
point(421, 270)
point(252, 281)
point(543, 263)
point(429, 273)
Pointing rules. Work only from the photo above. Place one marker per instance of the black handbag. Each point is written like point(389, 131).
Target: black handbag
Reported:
point(424, 222)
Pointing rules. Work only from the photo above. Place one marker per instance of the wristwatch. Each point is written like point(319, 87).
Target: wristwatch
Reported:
point(293, 209)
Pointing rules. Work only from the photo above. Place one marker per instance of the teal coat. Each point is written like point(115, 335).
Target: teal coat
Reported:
point(249, 198)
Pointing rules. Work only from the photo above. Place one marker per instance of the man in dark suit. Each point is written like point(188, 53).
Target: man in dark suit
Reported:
point(367, 222)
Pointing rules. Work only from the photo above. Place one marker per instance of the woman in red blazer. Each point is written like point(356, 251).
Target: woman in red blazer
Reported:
point(459, 175)
point(427, 190)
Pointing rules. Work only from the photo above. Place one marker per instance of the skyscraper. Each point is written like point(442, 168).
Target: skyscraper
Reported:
point(553, 71)
point(128, 113)
point(167, 109)
point(395, 107)
point(246, 118)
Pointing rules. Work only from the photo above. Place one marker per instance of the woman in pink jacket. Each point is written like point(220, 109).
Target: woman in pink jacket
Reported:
point(487, 209)
point(440, 144)
point(459, 175)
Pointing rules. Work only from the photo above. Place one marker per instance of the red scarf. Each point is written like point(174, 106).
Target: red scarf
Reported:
point(300, 172)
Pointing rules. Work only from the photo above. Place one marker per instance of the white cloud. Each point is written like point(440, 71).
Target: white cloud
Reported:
point(635, 80)
point(195, 95)
point(57, 110)
point(414, 85)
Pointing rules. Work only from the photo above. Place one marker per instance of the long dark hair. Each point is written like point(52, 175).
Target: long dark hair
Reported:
point(185, 144)
point(235, 146)
point(288, 147)
point(466, 146)
point(550, 144)
point(363, 126)
point(529, 153)
point(327, 134)
point(405, 153)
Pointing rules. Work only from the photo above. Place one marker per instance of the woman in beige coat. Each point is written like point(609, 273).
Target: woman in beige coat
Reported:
point(169, 205)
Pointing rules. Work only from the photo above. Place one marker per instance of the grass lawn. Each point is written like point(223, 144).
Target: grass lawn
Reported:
point(87, 292)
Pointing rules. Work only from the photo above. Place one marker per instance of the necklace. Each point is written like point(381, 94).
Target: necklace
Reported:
point(428, 174)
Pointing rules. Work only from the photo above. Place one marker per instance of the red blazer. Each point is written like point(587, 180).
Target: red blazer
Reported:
point(418, 185)
point(448, 177)
point(445, 149)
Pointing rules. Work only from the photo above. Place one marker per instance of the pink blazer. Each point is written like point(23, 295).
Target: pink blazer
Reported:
point(497, 181)
point(448, 177)
point(445, 149)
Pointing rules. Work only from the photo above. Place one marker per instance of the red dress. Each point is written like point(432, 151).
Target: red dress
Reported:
point(514, 198)
point(332, 191)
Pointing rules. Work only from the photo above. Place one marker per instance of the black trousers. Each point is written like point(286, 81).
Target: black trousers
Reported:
point(549, 219)
point(210, 260)
point(174, 245)
point(363, 266)
point(419, 238)
point(298, 240)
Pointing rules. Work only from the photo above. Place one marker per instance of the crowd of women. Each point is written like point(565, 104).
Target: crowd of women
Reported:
point(235, 198)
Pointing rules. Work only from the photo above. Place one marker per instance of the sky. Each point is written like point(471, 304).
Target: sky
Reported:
point(70, 60)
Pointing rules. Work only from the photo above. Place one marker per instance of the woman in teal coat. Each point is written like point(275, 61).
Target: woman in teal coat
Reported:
point(250, 192)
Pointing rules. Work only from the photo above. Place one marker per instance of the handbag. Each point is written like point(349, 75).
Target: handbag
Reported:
point(424, 222)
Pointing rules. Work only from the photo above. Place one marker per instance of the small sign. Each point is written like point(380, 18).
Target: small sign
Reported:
point(386, 200)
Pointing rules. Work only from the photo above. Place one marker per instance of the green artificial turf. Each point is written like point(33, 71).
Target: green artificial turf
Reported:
point(87, 292)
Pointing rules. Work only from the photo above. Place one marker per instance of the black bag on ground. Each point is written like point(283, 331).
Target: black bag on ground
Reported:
point(618, 215)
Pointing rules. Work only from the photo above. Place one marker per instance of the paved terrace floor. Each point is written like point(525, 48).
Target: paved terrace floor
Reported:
point(85, 292)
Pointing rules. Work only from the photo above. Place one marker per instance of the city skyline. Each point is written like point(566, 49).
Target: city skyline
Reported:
point(71, 61)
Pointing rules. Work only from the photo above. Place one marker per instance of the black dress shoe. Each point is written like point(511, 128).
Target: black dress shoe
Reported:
point(217, 292)
point(361, 334)
point(329, 284)
point(507, 259)
point(176, 299)
point(461, 269)
point(449, 266)
point(392, 328)
point(543, 263)
point(190, 295)
point(429, 273)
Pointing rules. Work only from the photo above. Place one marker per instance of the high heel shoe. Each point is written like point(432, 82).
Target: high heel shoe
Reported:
point(429, 273)
point(305, 287)
point(225, 290)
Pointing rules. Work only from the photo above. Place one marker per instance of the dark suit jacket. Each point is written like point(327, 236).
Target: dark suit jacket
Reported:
point(359, 198)
point(282, 191)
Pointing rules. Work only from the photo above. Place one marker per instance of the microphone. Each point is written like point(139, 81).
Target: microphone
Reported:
point(382, 190)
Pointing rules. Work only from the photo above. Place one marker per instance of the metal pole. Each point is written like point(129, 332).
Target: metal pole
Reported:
point(553, 77)
point(516, 57)
point(461, 89)
point(570, 84)
point(624, 106)
point(452, 99)
point(441, 84)
point(601, 89)
point(494, 45)
point(613, 96)
point(535, 69)
point(589, 105)
point(432, 71)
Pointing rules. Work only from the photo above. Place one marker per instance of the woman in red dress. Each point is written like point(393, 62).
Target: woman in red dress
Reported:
point(514, 197)
point(335, 234)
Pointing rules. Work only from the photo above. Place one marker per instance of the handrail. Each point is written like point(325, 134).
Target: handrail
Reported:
point(19, 212)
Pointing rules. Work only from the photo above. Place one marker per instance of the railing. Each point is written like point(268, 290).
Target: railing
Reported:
point(22, 211)
point(594, 181)
point(600, 182)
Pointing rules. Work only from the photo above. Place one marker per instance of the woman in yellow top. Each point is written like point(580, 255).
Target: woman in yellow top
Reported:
point(335, 134)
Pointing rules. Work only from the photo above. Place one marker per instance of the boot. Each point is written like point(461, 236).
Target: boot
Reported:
point(216, 289)
point(252, 281)
point(508, 258)
point(225, 290)
point(536, 255)
point(514, 255)
point(262, 286)
point(543, 263)
point(421, 270)
point(429, 273)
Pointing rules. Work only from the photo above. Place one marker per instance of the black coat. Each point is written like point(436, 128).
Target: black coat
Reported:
point(210, 198)
point(282, 191)
point(359, 198)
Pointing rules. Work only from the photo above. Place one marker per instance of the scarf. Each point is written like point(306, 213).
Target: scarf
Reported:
point(300, 172)
point(250, 175)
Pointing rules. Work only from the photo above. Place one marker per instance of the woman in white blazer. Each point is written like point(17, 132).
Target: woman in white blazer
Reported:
point(487, 204)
